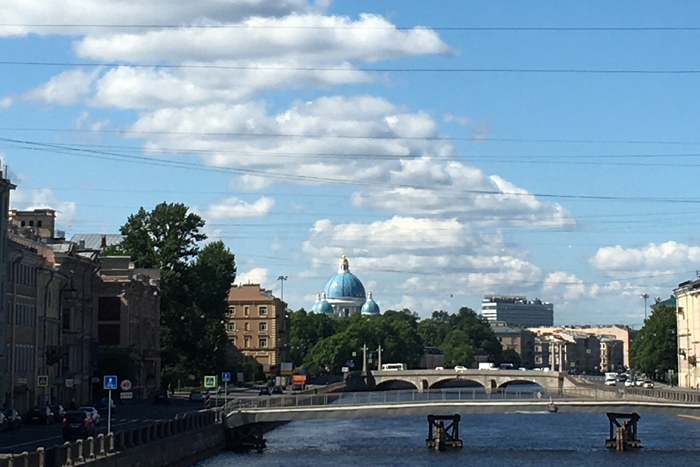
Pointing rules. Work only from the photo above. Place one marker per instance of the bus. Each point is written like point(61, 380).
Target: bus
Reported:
point(393, 367)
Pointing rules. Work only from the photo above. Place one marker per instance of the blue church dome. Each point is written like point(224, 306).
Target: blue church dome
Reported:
point(324, 307)
point(370, 307)
point(344, 284)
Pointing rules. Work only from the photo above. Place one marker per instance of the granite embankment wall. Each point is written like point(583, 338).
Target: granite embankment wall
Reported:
point(173, 443)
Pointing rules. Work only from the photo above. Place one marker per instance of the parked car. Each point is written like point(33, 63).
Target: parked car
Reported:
point(4, 424)
point(58, 412)
point(77, 424)
point(264, 391)
point(40, 414)
point(161, 398)
point(277, 390)
point(102, 406)
point(196, 396)
point(92, 413)
point(460, 368)
point(439, 368)
point(14, 420)
point(629, 383)
point(639, 382)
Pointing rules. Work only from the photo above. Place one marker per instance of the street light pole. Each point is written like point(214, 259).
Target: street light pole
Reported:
point(645, 296)
point(282, 279)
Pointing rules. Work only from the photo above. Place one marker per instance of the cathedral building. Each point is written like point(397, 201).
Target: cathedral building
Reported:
point(345, 295)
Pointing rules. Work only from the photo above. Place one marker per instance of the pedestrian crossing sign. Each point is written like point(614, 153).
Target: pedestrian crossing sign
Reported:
point(42, 381)
point(210, 381)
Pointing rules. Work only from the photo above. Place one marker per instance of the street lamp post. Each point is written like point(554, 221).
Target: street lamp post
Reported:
point(282, 279)
point(645, 296)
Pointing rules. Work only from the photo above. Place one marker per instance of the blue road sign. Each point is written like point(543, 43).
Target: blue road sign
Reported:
point(110, 382)
point(226, 376)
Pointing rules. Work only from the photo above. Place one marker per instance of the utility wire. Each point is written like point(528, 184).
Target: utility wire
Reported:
point(314, 179)
point(360, 27)
point(359, 70)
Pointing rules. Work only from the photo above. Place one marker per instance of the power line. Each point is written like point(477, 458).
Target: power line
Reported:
point(360, 27)
point(361, 70)
point(81, 152)
point(341, 136)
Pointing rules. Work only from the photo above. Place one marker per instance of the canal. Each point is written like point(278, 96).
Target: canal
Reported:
point(489, 440)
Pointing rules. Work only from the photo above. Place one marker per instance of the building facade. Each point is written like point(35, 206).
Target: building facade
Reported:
point(257, 325)
point(518, 339)
point(6, 187)
point(128, 318)
point(620, 332)
point(517, 311)
point(688, 332)
point(36, 224)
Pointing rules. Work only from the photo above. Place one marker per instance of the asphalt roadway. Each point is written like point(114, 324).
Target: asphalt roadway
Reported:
point(129, 415)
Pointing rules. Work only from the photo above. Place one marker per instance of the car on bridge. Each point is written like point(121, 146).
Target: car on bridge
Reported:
point(40, 414)
point(14, 420)
point(460, 368)
point(77, 424)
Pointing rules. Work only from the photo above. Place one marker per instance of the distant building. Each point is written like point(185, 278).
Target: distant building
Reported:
point(688, 332)
point(612, 354)
point(6, 187)
point(518, 339)
point(257, 325)
point(96, 241)
point(517, 311)
point(576, 351)
point(36, 224)
point(620, 332)
point(344, 295)
point(128, 317)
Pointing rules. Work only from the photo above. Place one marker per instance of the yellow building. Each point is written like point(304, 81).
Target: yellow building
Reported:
point(688, 320)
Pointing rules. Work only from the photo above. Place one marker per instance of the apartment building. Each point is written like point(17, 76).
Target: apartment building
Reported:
point(619, 332)
point(128, 317)
point(518, 339)
point(6, 187)
point(36, 224)
point(257, 325)
point(688, 332)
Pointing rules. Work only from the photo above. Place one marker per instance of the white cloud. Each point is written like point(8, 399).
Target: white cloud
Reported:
point(569, 285)
point(235, 208)
point(254, 276)
point(43, 198)
point(653, 257)
point(313, 37)
point(65, 88)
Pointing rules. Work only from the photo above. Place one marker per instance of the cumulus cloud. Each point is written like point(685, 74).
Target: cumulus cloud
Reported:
point(235, 208)
point(254, 276)
point(567, 284)
point(667, 256)
point(65, 88)
point(43, 198)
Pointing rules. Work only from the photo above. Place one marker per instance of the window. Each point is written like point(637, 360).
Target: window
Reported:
point(247, 343)
point(31, 223)
point(262, 327)
point(235, 340)
point(39, 223)
point(23, 224)
point(231, 311)
point(246, 311)
point(247, 326)
point(109, 308)
point(262, 310)
point(262, 342)
point(231, 327)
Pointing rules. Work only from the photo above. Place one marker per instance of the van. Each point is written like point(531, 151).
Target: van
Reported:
point(393, 367)
point(610, 379)
point(487, 366)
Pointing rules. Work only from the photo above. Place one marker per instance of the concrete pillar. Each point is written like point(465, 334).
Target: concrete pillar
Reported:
point(90, 448)
point(101, 445)
point(41, 455)
point(79, 448)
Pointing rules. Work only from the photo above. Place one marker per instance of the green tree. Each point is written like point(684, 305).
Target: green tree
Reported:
point(457, 350)
point(116, 361)
point(435, 329)
point(511, 356)
point(306, 329)
point(655, 350)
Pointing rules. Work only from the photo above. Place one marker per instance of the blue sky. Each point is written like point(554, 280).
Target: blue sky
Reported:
point(577, 188)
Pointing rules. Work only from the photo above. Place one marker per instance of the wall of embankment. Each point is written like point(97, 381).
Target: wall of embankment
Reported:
point(173, 443)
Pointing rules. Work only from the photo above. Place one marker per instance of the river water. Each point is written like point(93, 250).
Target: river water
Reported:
point(522, 440)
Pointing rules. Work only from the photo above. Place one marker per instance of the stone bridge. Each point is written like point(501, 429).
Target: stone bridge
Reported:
point(553, 382)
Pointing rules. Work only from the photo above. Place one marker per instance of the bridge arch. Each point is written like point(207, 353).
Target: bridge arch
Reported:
point(502, 384)
point(456, 381)
point(397, 384)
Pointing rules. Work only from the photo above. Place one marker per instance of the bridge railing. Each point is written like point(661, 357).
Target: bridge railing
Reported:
point(385, 397)
point(450, 396)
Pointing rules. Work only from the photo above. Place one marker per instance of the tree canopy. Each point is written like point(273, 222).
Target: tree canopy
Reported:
point(195, 283)
point(655, 349)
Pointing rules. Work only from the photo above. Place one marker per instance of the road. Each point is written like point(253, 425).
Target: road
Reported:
point(30, 437)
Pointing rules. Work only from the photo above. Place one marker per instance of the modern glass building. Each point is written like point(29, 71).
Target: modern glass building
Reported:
point(518, 311)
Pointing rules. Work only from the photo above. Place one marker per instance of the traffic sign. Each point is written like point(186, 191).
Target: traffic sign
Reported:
point(69, 382)
point(21, 380)
point(126, 395)
point(210, 381)
point(42, 381)
point(225, 376)
point(110, 382)
point(125, 385)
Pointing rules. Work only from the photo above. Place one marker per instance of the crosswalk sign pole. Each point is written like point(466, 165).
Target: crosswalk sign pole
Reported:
point(109, 412)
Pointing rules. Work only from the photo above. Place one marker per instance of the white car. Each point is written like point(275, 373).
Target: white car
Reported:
point(92, 413)
point(629, 383)
point(439, 368)
point(648, 385)
point(460, 368)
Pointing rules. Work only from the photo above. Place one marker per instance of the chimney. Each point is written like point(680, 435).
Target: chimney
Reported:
point(103, 245)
